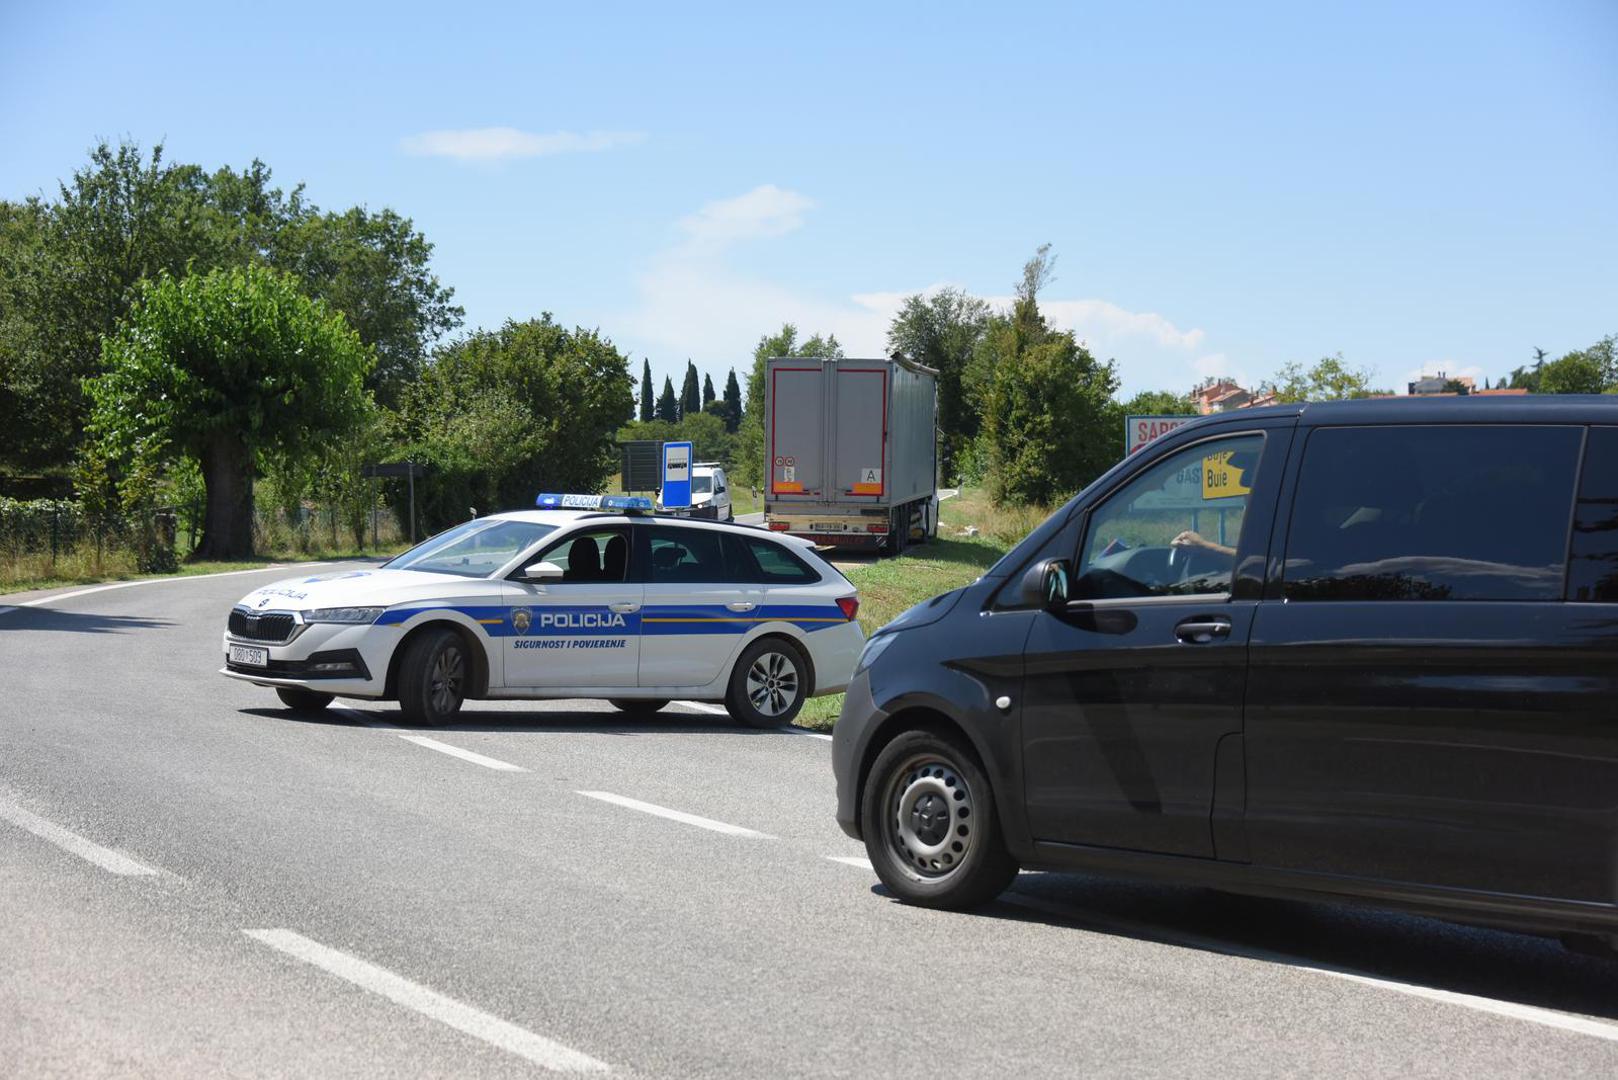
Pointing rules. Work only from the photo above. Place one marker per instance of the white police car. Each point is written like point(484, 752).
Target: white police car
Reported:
point(586, 597)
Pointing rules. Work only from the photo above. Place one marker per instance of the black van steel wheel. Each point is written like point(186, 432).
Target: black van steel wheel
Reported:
point(434, 674)
point(930, 827)
point(769, 684)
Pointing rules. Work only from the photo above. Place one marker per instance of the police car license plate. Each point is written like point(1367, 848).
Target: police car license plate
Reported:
point(248, 655)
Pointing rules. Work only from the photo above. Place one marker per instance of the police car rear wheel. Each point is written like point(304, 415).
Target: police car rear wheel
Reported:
point(433, 676)
point(637, 707)
point(302, 700)
point(768, 684)
point(930, 826)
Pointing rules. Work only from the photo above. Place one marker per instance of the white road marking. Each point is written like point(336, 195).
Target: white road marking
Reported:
point(704, 706)
point(1533, 1014)
point(675, 815)
point(793, 729)
point(464, 755)
point(159, 580)
point(113, 862)
point(858, 861)
point(947, 493)
point(371, 720)
point(507, 1036)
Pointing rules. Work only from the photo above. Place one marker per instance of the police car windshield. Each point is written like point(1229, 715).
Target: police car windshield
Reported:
point(475, 549)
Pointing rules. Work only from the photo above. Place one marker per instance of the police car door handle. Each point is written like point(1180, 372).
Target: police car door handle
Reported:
point(625, 608)
point(1200, 631)
point(741, 605)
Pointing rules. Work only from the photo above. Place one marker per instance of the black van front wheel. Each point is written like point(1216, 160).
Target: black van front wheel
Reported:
point(930, 825)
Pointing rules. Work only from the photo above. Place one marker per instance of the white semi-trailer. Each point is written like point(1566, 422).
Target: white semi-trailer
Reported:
point(850, 451)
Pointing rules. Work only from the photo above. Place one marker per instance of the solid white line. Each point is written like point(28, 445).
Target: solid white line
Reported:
point(109, 860)
point(160, 580)
point(543, 1052)
point(858, 861)
point(675, 815)
point(1533, 1014)
point(371, 720)
point(793, 729)
point(464, 755)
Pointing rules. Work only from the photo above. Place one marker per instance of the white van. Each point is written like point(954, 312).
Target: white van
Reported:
point(710, 493)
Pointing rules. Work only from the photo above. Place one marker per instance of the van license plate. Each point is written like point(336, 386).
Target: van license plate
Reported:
point(249, 656)
point(826, 526)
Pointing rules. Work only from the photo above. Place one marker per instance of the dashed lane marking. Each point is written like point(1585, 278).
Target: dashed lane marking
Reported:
point(114, 862)
point(546, 1053)
point(464, 755)
point(1580, 1025)
point(676, 815)
point(858, 861)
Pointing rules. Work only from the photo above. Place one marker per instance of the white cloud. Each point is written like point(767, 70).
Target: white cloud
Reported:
point(693, 303)
point(503, 143)
point(763, 212)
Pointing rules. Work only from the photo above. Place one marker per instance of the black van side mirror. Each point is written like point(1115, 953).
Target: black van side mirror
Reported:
point(1045, 585)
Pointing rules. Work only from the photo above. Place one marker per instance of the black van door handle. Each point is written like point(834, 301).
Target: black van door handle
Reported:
point(1202, 629)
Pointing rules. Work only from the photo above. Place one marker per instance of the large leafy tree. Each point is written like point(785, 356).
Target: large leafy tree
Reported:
point(1584, 371)
point(942, 332)
point(1047, 401)
point(226, 368)
point(1328, 379)
point(504, 414)
point(71, 267)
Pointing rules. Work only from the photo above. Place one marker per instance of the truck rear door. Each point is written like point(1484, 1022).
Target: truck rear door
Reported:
point(858, 433)
point(797, 450)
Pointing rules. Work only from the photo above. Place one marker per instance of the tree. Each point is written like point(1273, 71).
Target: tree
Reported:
point(749, 460)
point(502, 415)
point(1158, 403)
point(733, 403)
point(690, 392)
point(1330, 379)
point(646, 404)
point(668, 406)
point(1584, 371)
point(1047, 404)
point(707, 392)
point(227, 367)
point(942, 332)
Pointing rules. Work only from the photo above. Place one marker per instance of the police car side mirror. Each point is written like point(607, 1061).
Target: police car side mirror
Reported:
point(542, 571)
point(1045, 585)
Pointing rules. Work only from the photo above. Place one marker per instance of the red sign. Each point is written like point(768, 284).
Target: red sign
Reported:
point(1140, 430)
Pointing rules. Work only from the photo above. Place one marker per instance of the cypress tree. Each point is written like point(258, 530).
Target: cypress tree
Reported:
point(690, 393)
point(733, 403)
point(668, 408)
point(707, 391)
point(646, 390)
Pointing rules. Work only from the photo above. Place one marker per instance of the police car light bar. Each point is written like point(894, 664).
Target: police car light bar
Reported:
point(549, 501)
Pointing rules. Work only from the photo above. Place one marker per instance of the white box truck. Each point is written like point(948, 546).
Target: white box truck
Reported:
point(851, 451)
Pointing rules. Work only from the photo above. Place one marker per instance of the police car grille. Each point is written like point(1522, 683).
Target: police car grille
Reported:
point(246, 624)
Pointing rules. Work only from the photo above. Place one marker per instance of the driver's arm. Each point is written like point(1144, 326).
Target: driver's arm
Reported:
point(1195, 539)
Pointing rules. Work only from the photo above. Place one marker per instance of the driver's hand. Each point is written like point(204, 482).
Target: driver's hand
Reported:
point(1189, 539)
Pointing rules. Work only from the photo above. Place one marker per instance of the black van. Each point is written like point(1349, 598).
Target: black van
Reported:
point(1363, 650)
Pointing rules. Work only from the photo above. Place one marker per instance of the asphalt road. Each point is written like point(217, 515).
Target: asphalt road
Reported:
point(196, 883)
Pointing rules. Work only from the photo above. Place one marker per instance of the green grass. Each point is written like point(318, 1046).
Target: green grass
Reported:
point(80, 567)
point(888, 586)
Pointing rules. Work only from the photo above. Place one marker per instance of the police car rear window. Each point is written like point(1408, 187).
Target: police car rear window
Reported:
point(476, 549)
point(779, 566)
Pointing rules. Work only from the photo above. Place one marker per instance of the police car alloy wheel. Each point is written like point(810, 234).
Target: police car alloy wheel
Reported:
point(302, 700)
point(433, 677)
point(930, 826)
point(769, 684)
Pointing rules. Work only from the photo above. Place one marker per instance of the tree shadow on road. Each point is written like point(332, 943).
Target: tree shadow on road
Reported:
point(1422, 952)
point(75, 622)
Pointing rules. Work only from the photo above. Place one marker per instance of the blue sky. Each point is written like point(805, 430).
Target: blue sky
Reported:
point(1227, 187)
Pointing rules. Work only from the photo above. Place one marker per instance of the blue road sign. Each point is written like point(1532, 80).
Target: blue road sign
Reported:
point(676, 475)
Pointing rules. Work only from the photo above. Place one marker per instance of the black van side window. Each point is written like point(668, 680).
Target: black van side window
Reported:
point(1593, 573)
point(1451, 512)
point(1173, 529)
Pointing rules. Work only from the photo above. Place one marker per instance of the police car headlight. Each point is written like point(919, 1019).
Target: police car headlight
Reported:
point(873, 649)
point(351, 615)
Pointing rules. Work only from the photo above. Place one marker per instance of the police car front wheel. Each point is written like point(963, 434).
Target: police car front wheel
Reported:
point(433, 677)
point(769, 684)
